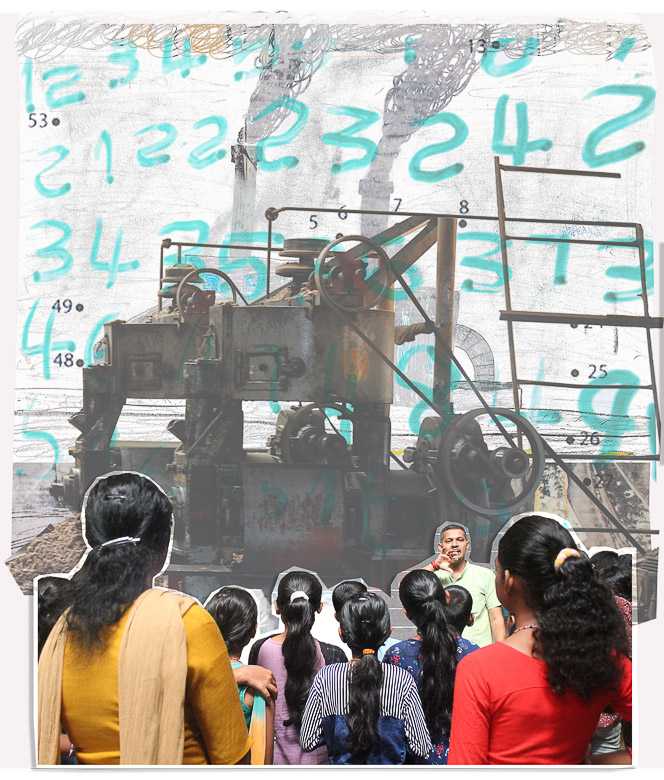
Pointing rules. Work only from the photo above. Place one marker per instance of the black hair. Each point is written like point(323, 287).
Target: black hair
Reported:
point(626, 561)
point(299, 648)
point(453, 525)
point(365, 625)
point(236, 614)
point(53, 597)
point(344, 591)
point(618, 579)
point(604, 559)
point(114, 575)
point(423, 598)
point(459, 607)
point(580, 626)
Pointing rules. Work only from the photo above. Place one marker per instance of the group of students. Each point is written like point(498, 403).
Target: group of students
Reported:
point(138, 675)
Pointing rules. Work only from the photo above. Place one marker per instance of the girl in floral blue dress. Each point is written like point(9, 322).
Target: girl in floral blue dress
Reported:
point(430, 656)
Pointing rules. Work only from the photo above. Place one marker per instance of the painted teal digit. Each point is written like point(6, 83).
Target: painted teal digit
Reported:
point(52, 98)
point(624, 49)
point(460, 134)
point(289, 161)
point(197, 159)
point(412, 274)
point(631, 273)
point(482, 262)
point(183, 62)
point(522, 146)
point(26, 72)
point(114, 266)
point(410, 52)
point(52, 192)
point(55, 250)
point(496, 69)
point(95, 333)
point(346, 138)
point(192, 255)
point(124, 56)
point(40, 436)
point(619, 422)
point(589, 153)
point(256, 263)
point(47, 346)
point(104, 143)
point(241, 51)
point(562, 255)
point(143, 155)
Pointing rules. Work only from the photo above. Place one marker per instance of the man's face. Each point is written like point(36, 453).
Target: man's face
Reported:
point(453, 543)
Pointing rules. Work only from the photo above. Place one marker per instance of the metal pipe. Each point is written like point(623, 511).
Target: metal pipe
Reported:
point(444, 316)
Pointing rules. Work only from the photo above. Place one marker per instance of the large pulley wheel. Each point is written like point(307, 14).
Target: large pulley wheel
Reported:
point(491, 481)
point(304, 438)
point(343, 281)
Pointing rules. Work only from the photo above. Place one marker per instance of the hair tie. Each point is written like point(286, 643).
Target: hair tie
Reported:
point(121, 540)
point(298, 594)
point(563, 555)
point(114, 497)
point(368, 652)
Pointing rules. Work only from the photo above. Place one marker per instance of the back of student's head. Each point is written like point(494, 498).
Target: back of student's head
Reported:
point(365, 625)
point(344, 591)
point(618, 579)
point(459, 607)
point(236, 614)
point(580, 626)
point(604, 559)
point(128, 526)
point(298, 598)
point(53, 596)
point(423, 598)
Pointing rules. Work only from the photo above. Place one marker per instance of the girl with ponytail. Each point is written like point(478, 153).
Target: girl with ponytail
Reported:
point(535, 698)
point(294, 657)
point(430, 656)
point(135, 674)
point(363, 711)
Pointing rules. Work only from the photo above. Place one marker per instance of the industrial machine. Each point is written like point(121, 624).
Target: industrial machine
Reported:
point(326, 492)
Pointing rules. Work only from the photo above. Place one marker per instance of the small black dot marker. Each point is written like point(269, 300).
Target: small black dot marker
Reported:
point(462, 223)
point(570, 439)
point(79, 307)
point(55, 121)
point(575, 372)
point(80, 363)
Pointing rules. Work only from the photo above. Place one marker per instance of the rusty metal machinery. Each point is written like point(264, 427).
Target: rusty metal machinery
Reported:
point(322, 494)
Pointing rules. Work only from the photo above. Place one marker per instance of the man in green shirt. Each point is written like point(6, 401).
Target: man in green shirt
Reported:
point(451, 567)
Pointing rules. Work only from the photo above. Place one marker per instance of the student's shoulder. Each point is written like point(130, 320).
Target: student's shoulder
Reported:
point(332, 654)
point(484, 657)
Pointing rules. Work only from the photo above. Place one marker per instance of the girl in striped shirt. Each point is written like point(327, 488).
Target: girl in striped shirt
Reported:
point(363, 711)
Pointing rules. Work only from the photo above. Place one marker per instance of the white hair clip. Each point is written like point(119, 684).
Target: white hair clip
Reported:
point(298, 594)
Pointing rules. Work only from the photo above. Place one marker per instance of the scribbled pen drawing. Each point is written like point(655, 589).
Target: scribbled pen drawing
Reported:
point(334, 285)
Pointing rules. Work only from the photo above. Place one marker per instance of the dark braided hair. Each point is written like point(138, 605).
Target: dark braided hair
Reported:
point(580, 627)
point(53, 597)
point(124, 504)
point(423, 598)
point(236, 614)
point(365, 625)
point(299, 648)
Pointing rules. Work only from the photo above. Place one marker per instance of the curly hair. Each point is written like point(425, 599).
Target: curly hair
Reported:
point(299, 648)
point(236, 614)
point(113, 576)
point(365, 625)
point(581, 629)
point(423, 598)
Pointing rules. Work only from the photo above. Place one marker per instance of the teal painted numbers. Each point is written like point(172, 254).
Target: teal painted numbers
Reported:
point(522, 146)
point(95, 334)
point(191, 255)
point(491, 61)
point(242, 51)
point(53, 98)
point(646, 96)
point(143, 155)
point(204, 155)
point(183, 63)
point(124, 56)
point(631, 273)
point(301, 114)
point(112, 267)
point(42, 436)
point(483, 262)
point(347, 138)
point(52, 192)
point(104, 144)
point(460, 129)
point(57, 250)
point(255, 263)
point(26, 73)
point(626, 46)
point(614, 426)
point(47, 346)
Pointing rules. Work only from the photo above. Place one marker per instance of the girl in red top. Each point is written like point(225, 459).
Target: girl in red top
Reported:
point(535, 698)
